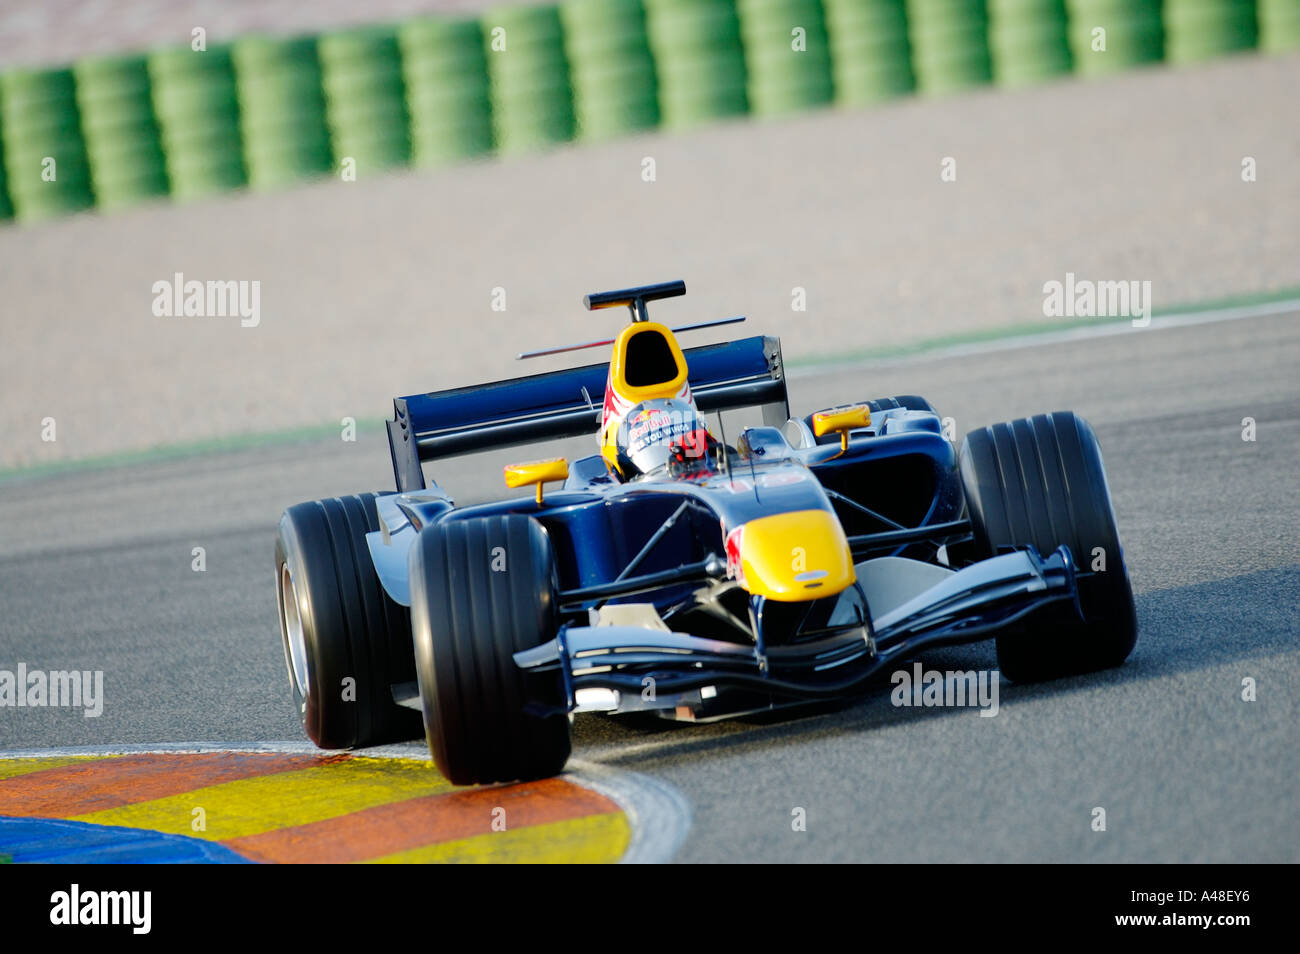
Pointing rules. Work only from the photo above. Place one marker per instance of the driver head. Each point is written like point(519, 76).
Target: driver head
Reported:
point(657, 433)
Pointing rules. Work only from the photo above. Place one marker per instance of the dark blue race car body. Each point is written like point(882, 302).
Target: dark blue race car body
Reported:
point(790, 567)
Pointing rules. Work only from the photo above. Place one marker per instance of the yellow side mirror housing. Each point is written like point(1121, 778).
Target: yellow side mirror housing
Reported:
point(537, 472)
point(841, 420)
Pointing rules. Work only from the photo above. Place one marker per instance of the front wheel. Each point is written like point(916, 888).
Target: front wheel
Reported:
point(481, 591)
point(1040, 482)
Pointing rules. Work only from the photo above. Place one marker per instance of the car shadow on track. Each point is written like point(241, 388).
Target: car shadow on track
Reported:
point(1180, 630)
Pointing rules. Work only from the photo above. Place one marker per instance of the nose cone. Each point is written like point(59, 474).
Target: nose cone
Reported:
point(801, 555)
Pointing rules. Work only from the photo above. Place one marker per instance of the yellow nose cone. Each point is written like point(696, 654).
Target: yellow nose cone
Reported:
point(802, 555)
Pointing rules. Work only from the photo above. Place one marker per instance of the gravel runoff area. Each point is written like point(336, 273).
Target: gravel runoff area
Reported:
point(387, 286)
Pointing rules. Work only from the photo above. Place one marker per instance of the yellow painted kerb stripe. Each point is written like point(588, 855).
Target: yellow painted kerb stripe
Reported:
point(12, 768)
point(254, 805)
point(592, 839)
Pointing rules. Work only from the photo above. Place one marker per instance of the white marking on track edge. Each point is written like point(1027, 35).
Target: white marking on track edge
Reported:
point(182, 748)
point(658, 815)
point(1015, 342)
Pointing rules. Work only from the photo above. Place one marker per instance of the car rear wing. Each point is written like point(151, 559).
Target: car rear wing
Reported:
point(560, 404)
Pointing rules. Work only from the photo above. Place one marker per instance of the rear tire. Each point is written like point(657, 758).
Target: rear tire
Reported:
point(1040, 482)
point(482, 590)
point(338, 624)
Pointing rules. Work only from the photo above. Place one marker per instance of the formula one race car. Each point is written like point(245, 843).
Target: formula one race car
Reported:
point(676, 573)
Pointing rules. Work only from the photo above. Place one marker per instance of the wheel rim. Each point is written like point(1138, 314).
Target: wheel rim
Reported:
point(295, 643)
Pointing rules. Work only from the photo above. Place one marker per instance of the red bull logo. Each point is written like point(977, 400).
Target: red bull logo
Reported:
point(735, 569)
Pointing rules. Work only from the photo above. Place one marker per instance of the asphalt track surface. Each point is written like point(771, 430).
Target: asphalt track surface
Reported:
point(95, 573)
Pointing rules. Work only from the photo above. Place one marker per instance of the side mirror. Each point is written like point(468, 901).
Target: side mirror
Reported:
point(537, 472)
point(841, 420)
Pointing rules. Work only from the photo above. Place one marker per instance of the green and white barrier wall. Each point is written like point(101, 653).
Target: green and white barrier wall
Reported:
point(265, 112)
point(197, 105)
point(281, 103)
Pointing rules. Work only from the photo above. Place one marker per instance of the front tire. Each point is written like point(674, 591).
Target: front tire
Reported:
point(482, 590)
point(345, 641)
point(1040, 482)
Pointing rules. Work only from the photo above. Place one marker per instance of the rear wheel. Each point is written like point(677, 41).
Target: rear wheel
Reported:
point(345, 641)
point(1040, 482)
point(481, 591)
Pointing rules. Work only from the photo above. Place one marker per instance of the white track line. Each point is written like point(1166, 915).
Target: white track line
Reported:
point(658, 815)
point(193, 748)
point(1015, 342)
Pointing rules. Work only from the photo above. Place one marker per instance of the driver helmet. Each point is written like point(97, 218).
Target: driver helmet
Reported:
point(661, 433)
